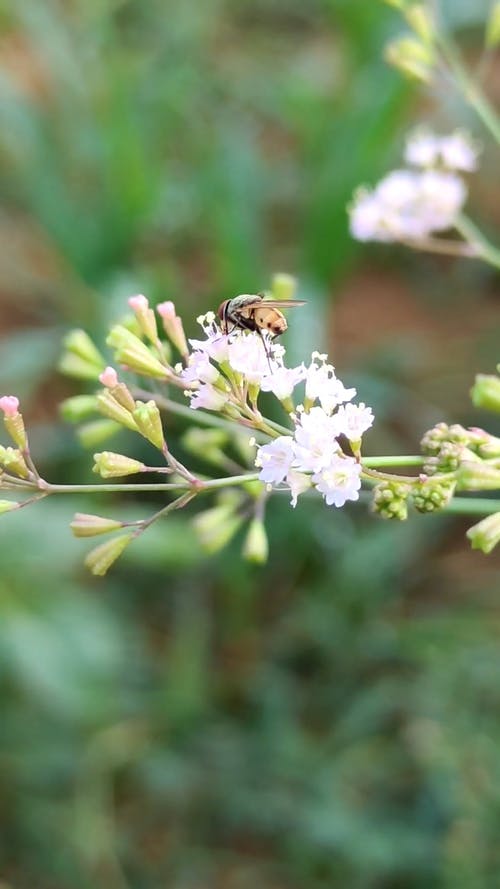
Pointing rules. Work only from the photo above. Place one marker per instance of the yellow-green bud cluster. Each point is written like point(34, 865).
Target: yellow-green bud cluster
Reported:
point(449, 446)
point(132, 352)
point(12, 461)
point(486, 534)
point(81, 358)
point(390, 500)
point(485, 392)
point(431, 495)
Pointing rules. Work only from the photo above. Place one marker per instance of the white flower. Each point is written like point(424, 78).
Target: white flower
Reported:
point(207, 397)
point(275, 459)
point(339, 480)
point(216, 343)
point(407, 205)
point(454, 152)
point(322, 383)
point(315, 436)
point(283, 380)
point(247, 355)
point(199, 369)
point(298, 482)
point(422, 148)
point(352, 420)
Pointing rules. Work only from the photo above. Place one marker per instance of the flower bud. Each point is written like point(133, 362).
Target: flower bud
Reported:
point(256, 546)
point(411, 57)
point(132, 352)
point(78, 343)
point(207, 444)
point(13, 462)
point(485, 392)
point(492, 34)
point(8, 506)
point(420, 19)
point(100, 559)
point(283, 286)
point(145, 317)
point(95, 433)
point(77, 408)
point(87, 525)
point(107, 464)
point(73, 366)
point(478, 476)
point(13, 420)
point(390, 500)
point(111, 408)
point(173, 327)
point(486, 534)
point(148, 421)
point(215, 527)
point(431, 495)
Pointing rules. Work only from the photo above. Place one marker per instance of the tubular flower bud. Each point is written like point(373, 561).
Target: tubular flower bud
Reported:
point(73, 366)
point(429, 496)
point(390, 500)
point(87, 525)
point(132, 352)
point(410, 56)
point(486, 534)
point(79, 343)
point(8, 506)
point(256, 546)
point(145, 317)
point(420, 20)
point(109, 378)
point(96, 432)
point(78, 408)
point(478, 476)
point(485, 392)
point(100, 559)
point(13, 420)
point(283, 286)
point(173, 327)
point(12, 461)
point(207, 444)
point(215, 527)
point(111, 408)
point(110, 465)
point(148, 421)
point(492, 35)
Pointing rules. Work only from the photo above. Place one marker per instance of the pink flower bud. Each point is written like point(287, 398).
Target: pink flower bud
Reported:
point(109, 378)
point(166, 310)
point(138, 303)
point(9, 404)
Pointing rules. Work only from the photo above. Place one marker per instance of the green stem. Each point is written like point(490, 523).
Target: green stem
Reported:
point(469, 88)
point(444, 246)
point(484, 249)
point(403, 460)
point(472, 506)
point(210, 485)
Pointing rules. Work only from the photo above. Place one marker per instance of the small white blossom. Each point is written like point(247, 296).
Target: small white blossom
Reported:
point(352, 420)
point(298, 482)
point(275, 459)
point(322, 383)
point(207, 397)
point(283, 380)
point(247, 355)
point(216, 343)
point(339, 481)
point(422, 149)
point(199, 369)
point(454, 152)
point(315, 436)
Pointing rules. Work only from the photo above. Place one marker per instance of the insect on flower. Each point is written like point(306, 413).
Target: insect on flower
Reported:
point(253, 312)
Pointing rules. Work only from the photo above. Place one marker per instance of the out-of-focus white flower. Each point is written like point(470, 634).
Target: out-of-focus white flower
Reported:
point(247, 355)
point(339, 481)
point(454, 152)
point(352, 420)
point(283, 380)
point(298, 482)
point(275, 459)
point(199, 369)
point(322, 383)
point(315, 436)
point(207, 397)
point(407, 205)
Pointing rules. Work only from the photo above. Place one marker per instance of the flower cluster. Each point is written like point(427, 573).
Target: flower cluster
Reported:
point(411, 204)
point(229, 371)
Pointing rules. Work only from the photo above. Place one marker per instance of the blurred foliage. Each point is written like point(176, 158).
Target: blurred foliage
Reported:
point(332, 720)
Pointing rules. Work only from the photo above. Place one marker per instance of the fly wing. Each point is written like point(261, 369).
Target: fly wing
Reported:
point(275, 303)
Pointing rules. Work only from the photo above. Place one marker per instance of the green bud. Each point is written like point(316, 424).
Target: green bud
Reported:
point(78, 343)
point(431, 495)
point(87, 525)
point(77, 408)
point(100, 559)
point(390, 500)
point(146, 318)
point(122, 394)
point(13, 462)
point(398, 4)
point(486, 534)
point(485, 392)
point(478, 476)
point(215, 527)
point(207, 444)
point(256, 546)
point(148, 421)
point(111, 408)
point(492, 34)
point(132, 352)
point(8, 506)
point(283, 286)
point(15, 428)
point(110, 465)
point(420, 19)
point(95, 433)
point(411, 57)
point(72, 366)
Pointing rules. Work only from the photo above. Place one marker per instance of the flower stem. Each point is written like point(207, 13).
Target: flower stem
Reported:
point(472, 506)
point(403, 460)
point(209, 485)
point(445, 247)
point(484, 249)
point(470, 90)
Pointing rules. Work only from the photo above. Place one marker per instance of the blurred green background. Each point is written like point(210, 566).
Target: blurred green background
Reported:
point(333, 719)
